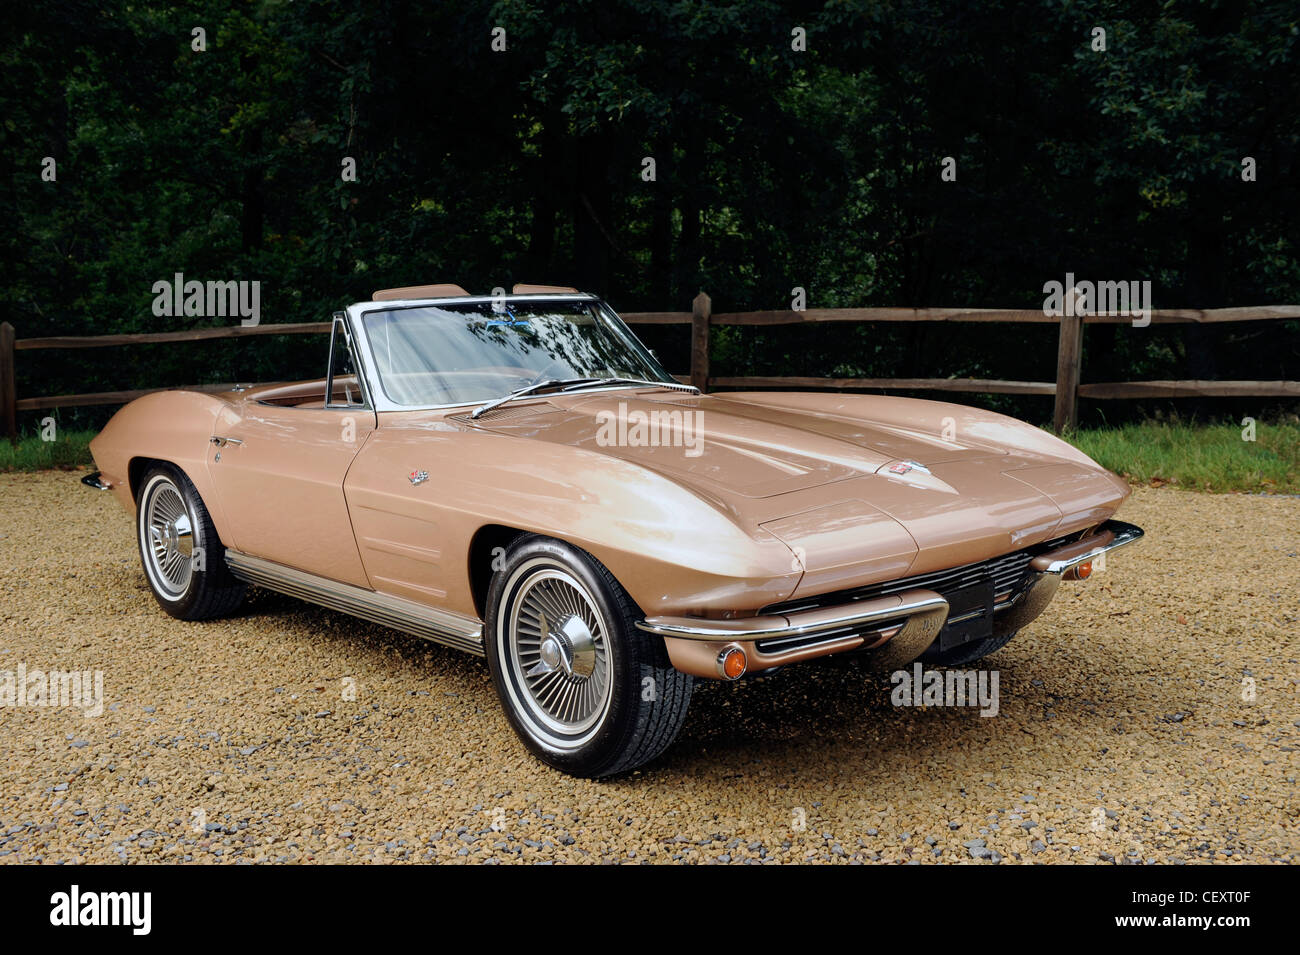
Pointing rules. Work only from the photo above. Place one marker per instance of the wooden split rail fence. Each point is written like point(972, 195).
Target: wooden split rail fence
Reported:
point(1067, 387)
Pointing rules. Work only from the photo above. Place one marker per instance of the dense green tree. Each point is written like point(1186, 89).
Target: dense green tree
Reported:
point(793, 144)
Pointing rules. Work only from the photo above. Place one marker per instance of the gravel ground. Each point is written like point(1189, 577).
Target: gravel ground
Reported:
point(1125, 731)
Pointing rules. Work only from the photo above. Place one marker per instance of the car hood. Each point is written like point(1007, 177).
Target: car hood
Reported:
point(730, 447)
point(852, 498)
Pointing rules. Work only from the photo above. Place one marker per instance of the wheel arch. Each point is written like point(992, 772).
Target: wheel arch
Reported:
point(166, 427)
point(136, 468)
point(482, 555)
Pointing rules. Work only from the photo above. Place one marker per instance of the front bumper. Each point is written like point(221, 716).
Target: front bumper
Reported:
point(1049, 569)
point(897, 628)
point(96, 481)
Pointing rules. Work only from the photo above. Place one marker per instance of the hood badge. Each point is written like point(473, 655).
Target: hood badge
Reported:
point(902, 467)
point(418, 476)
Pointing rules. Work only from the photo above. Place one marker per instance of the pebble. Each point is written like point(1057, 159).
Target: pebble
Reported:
point(1147, 722)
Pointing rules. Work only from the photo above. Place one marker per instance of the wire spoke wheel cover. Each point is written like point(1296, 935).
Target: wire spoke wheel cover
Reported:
point(556, 654)
point(167, 537)
point(587, 692)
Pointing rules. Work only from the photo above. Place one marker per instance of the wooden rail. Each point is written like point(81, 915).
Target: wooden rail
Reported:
point(155, 338)
point(1067, 387)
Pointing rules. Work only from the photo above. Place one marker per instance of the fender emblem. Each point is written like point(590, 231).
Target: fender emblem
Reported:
point(418, 476)
point(902, 467)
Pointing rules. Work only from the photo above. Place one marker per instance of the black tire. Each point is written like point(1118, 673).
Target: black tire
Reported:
point(199, 585)
point(637, 700)
point(965, 653)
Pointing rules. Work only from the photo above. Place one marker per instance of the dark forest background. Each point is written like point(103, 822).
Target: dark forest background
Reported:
point(774, 169)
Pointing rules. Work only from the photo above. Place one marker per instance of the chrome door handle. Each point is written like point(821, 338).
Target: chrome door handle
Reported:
point(222, 442)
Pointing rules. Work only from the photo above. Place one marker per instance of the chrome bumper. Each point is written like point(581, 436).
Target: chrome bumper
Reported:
point(897, 628)
point(1110, 536)
point(1051, 568)
point(900, 623)
point(95, 480)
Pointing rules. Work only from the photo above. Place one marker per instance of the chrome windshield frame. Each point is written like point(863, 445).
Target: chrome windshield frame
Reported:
point(380, 401)
point(340, 319)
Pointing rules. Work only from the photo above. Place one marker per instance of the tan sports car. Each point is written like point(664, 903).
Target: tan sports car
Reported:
point(518, 477)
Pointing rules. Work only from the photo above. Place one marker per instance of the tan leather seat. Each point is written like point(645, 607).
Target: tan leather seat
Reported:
point(419, 291)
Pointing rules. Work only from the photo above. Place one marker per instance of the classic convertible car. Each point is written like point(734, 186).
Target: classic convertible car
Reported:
point(518, 477)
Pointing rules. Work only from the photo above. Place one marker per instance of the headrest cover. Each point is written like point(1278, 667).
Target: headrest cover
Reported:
point(542, 289)
point(419, 291)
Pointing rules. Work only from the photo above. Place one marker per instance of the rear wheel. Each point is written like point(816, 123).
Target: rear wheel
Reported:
point(183, 558)
point(586, 691)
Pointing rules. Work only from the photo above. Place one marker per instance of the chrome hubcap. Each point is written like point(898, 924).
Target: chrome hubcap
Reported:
point(558, 654)
point(570, 647)
point(170, 538)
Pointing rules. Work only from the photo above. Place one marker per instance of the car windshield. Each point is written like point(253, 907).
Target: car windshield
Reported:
point(477, 351)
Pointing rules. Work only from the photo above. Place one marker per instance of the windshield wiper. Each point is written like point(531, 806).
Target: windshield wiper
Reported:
point(572, 384)
point(597, 382)
point(527, 390)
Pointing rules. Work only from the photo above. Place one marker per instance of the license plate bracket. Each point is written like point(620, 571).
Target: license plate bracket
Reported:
point(970, 615)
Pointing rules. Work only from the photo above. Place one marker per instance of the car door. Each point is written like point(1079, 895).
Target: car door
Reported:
point(279, 471)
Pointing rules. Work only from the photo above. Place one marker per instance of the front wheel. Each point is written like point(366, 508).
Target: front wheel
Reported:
point(586, 691)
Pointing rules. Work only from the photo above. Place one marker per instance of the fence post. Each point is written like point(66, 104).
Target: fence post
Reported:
point(701, 310)
point(1069, 365)
point(8, 383)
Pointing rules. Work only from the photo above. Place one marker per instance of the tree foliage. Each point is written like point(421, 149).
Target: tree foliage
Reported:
point(775, 167)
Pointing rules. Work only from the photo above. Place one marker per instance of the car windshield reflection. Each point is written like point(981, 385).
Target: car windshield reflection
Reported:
point(460, 353)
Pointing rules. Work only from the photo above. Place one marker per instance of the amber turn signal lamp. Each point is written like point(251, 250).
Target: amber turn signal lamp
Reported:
point(1083, 571)
point(732, 663)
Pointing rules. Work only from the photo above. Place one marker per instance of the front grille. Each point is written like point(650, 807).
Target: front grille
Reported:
point(1009, 573)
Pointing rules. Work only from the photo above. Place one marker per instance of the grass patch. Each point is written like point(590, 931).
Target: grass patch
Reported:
point(70, 450)
point(1199, 457)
